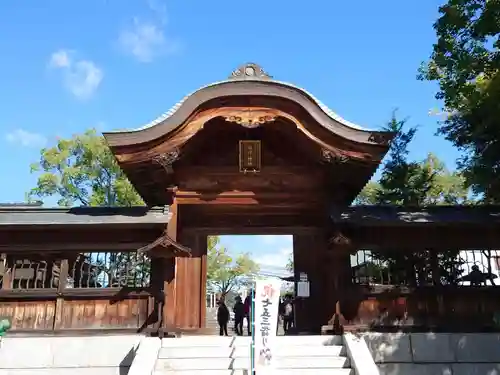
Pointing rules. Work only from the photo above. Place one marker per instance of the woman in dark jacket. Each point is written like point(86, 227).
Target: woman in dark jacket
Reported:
point(222, 317)
point(239, 314)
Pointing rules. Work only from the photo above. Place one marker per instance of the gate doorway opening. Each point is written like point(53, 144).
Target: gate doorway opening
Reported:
point(234, 262)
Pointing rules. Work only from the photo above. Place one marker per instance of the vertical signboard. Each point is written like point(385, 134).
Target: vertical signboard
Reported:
point(303, 286)
point(250, 156)
point(266, 307)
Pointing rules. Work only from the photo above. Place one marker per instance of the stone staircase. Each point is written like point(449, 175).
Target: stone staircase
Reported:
point(215, 355)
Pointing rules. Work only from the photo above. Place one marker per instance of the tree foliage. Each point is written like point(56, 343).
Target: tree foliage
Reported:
point(289, 264)
point(416, 183)
point(368, 196)
point(402, 182)
point(465, 62)
point(225, 273)
point(405, 182)
point(413, 183)
point(82, 170)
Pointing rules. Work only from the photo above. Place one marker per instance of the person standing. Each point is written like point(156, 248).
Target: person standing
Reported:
point(222, 317)
point(239, 315)
point(280, 315)
point(247, 304)
point(288, 316)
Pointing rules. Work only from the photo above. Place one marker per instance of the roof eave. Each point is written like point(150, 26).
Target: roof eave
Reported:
point(182, 110)
point(83, 216)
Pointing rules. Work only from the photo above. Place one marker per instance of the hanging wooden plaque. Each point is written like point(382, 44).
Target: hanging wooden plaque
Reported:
point(250, 157)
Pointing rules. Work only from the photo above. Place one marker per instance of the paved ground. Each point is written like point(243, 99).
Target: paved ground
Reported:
point(213, 327)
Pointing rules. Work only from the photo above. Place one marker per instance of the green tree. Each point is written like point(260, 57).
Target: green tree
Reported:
point(412, 183)
point(447, 187)
point(82, 170)
point(465, 62)
point(290, 267)
point(225, 273)
point(403, 182)
point(368, 196)
point(371, 271)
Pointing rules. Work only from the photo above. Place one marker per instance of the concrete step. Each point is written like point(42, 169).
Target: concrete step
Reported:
point(223, 341)
point(244, 363)
point(318, 371)
point(244, 351)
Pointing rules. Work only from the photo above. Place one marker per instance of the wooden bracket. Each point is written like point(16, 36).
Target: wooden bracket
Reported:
point(339, 240)
point(333, 156)
point(165, 241)
point(166, 160)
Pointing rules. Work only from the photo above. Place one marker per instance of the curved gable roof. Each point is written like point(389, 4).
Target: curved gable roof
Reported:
point(249, 79)
point(319, 103)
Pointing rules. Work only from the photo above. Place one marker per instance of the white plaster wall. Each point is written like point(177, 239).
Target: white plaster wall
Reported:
point(435, 354)
point(97, 355)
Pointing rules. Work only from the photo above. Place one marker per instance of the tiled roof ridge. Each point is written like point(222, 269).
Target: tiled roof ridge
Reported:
point(319, 103)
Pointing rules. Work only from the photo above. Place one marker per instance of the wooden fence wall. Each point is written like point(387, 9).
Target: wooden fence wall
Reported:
point(111, 291)
point(78, 292)
point(433, 292)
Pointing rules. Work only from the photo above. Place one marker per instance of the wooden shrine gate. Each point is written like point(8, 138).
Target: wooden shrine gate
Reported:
point(247, 155)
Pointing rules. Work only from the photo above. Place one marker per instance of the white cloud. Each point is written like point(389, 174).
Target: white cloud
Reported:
point(80, 77)
point(25, 138)
point(277, 258)
point(60, 59)
point(146, 39)
point(271, 239)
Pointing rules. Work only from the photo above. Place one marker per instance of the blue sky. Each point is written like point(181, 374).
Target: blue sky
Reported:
point(70, 65)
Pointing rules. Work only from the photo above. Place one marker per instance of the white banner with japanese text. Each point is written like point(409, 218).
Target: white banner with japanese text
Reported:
point(266, 308)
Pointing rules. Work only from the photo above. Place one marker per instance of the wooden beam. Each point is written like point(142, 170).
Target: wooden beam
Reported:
point(79, 235)
point(418, 237)
point(77, 293)
point(249, 198)
point(251, 230)
point(71, 247)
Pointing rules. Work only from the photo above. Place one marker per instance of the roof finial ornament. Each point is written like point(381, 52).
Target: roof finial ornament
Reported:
point(250, 71)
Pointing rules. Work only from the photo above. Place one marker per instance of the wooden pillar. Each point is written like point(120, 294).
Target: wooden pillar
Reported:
point(156, 302)
point(191, 277)
point(203, 242)
point(6, 270)
point(61, 286)
point(169, 274)
point(185, 278)
point(339, 279)
point(306, 248)
point(328, 269)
